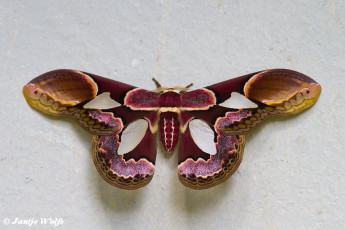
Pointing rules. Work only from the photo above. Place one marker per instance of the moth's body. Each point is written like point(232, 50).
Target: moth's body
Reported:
point(209, 123)
point(169, 110)
point(169, 130)
point(170, 102)
point(169, 117)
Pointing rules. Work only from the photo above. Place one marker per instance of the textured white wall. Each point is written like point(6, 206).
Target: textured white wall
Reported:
point(292, 175)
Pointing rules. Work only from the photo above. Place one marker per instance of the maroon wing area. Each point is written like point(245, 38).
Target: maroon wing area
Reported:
point(117, 89)
point(127, 115)
point(223, 89)
point(131, 170)
point(64, 92)
point(276, 92)
point(199, 170)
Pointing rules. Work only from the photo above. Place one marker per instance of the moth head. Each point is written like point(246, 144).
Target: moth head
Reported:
point(176, 89)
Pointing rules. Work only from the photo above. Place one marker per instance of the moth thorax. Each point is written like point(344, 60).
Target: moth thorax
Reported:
point(169, 129)
point(170, 99)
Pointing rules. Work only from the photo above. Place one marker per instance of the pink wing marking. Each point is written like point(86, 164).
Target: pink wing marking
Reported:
point(140, 99)
point(199, 170)
point(129, 171)
point(200, 99)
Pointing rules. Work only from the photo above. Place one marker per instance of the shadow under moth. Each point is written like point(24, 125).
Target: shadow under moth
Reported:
point(206, 126)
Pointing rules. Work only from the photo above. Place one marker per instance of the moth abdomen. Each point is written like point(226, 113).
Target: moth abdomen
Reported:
point(169, 129)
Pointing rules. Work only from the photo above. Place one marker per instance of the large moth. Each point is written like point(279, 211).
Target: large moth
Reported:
point(206, 125)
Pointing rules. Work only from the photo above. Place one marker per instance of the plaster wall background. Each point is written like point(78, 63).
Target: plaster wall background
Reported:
point(292, 174)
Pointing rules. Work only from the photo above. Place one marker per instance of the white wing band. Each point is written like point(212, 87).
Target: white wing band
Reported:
point(132, 136)
point(203, 136)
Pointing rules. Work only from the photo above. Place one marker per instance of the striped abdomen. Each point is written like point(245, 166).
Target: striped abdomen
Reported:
point(169, 129)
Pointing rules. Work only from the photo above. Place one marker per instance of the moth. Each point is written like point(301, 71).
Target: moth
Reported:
point(206, 126)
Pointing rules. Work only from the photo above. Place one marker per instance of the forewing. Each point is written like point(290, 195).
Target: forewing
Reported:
point(274, 92)
point(76, 94)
